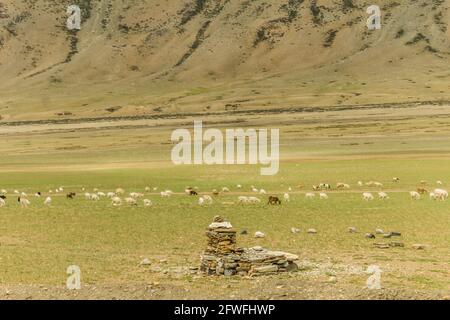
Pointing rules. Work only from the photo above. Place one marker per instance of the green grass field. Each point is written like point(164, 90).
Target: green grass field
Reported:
point(38, 243)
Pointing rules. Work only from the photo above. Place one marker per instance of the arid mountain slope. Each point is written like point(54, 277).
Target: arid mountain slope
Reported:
point(139, 57)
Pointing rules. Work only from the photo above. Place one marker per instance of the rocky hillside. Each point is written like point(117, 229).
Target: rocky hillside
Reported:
point(142, 57)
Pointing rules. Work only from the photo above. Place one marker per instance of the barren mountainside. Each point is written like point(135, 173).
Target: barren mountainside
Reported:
point(160, 57)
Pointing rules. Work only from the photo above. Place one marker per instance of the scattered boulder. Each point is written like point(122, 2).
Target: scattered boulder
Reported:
point(259, 234)
point(352, 230)
point(145, 262)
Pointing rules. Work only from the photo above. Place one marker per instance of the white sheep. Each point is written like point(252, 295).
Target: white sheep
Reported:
point(383, 196)
point(208, 199)
point(286, 197)
point(131, 201)
point(110, 195)
point(24, 202)
point(323, 196)
point(201, 201)
point(310, 195)
point(2, 203)
point(414, 195)
point(225, 189)
point(95, 197)
point(439, 182)
point(441, 194)
point(254, 189)
point(48, 201)
point(164, 194)
point(116, 201)
point(262, 191)
point(37, 195)
point(367, 196)
point(120, 191)
point(254, 200)
point(87, 196)
point(147, 189)
point(243, 199)
point(239, 186)
point(147, 203)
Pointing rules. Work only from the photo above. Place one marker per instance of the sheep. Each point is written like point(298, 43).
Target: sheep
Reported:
point(147, 189)
point(324, 186)
point(208, 199)
point(120, 191)
point(395, 179)
point(24, 202)
point(323, 195)
point(225, 189)
point(441, 194)
point(147, 203)
point(48, 201)
point(341, 185)
point(286, 197)
point(360, 183)
point(274, 200)
point(94, 197)
point(110, 195)
point(2, 203)
point(4, 191)
point(243, 199)
point(254, 200)
point(23, 194)
point(131, 201)
point(367, 196)
point(87, 196)
point(310, 195)
point(136, 195)
point(262, 191)
point(101, 194)
point(71, 195)
point(116, 201)
point(239, 186)
point(414, 195)
point(383, 196)
point(37, 194)
point(201, 201)
point(315, 188)
point(164, 194)
point(254, 189)
point(439, 182)
point(95, 190)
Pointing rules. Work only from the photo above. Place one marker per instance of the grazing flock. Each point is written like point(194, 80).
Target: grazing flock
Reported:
point(119, 198)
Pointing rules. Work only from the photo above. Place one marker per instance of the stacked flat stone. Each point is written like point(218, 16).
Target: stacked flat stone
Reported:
point(223, 257)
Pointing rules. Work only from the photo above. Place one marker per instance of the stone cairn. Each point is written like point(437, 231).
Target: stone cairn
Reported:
point(223, 257)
